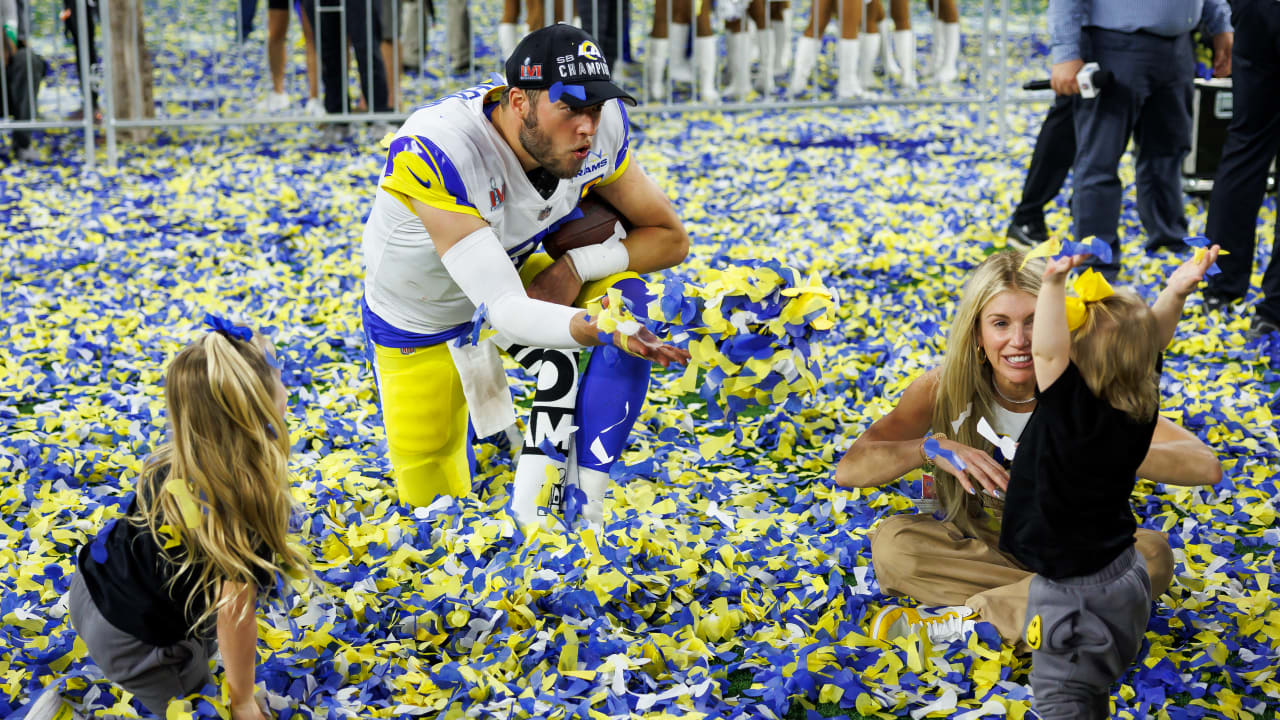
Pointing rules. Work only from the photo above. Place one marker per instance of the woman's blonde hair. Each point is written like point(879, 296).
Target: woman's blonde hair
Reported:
point(964, 379)
point(227, 498)
point(1116, 351)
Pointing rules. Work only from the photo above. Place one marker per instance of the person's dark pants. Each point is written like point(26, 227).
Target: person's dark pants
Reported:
point(1149, 99)
point(1253, 142)
point(1050, 163)
point(362, 27)
point(71, 27)
point(23, 74)
point(604, 26)
point(247, 10)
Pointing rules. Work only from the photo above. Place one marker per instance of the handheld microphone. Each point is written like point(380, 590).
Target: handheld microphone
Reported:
point(1091, 80)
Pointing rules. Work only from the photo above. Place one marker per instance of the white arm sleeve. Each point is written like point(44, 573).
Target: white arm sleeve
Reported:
point(480, 266)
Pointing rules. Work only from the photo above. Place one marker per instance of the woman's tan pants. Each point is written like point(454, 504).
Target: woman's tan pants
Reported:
point(934, 563)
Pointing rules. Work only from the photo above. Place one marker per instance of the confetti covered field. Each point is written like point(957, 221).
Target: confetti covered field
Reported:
point(733, 578)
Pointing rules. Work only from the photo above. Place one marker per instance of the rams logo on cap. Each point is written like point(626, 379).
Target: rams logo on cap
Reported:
point(589, 50)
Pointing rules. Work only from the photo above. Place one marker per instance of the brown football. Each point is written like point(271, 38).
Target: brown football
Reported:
point(594, 227)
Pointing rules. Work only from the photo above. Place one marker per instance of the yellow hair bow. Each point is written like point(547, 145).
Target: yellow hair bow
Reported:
point(1090, 287)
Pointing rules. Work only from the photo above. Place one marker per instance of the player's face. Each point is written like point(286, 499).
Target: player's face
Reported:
point(1005, 337)
point(557, 136)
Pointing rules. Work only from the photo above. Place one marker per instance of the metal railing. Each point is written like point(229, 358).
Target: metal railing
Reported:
point(219, 76)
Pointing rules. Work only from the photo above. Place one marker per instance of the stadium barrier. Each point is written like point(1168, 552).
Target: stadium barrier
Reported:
point(207, 72)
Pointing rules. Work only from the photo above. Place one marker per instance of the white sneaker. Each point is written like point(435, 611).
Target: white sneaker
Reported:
point(273, 103)
point(313, 108)
point(380, 130)
point(335, 134)
point(50, 705)
point(939, 624)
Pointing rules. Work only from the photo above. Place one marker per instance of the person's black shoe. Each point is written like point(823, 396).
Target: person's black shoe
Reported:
point(1261, 327)
point(1214, 302)
point(1026, 236)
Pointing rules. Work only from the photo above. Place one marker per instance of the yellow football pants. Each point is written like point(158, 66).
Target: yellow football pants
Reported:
point(425, 413)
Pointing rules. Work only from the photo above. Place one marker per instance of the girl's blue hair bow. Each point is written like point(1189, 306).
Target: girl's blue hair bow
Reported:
point(220, 324)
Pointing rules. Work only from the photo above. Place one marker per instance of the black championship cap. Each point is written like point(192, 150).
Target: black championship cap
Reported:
point(567, 63)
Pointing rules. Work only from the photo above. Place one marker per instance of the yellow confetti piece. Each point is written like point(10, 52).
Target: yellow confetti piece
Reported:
point(187, 505)
point(713, 446)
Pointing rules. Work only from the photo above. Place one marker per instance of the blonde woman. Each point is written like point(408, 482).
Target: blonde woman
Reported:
point(160, 589)
point(952, 559)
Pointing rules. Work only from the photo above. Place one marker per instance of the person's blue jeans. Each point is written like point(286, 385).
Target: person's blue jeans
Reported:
point(1150, 100)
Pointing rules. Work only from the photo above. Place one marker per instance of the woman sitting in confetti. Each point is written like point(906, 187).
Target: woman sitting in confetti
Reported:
point(969, 411)
point(160, 589)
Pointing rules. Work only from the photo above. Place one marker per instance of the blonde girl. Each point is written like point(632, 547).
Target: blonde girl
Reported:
point(160, 589)
point(1068, 517)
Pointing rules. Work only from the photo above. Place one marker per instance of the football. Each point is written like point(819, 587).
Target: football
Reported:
point(594, 227)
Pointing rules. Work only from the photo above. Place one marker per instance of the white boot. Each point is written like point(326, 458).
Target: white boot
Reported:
point(410, 38)
point(507, 39)
point(904, 46)
point(868, 49)
point(806, 56)
point(947, 69)
point(739, 86)
point(764, 76)
point(847, 85)
point(891, 67)
point(594, 484)
point(655, 61)
point(782, 42)
point(704, 59)
point(935, 50)
point(679, 36)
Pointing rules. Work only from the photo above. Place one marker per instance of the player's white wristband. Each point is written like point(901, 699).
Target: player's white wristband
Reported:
point(482, 269)
point(594, 262)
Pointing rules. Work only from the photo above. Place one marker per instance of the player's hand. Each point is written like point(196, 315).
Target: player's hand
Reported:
point(1056, 269)
point(644, 344)
point(558, 284)
point(1222, 44)
point(981, 470)
point(1062, 77)
point(1187, 277)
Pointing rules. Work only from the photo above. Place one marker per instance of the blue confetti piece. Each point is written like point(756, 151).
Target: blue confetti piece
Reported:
point(98, 549)
point(559, 88)
point(550, 450)
point(933, 450)
point(472, 336)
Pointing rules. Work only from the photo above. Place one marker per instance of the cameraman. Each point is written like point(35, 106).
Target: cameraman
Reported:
point(23, 71)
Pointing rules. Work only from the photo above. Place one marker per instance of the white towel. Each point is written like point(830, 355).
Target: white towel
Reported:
point(484, 384)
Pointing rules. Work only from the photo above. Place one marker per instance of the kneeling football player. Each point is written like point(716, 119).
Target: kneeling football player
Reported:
point(472, 184)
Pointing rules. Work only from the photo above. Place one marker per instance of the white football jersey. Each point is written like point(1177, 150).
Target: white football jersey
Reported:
point(450, 156)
